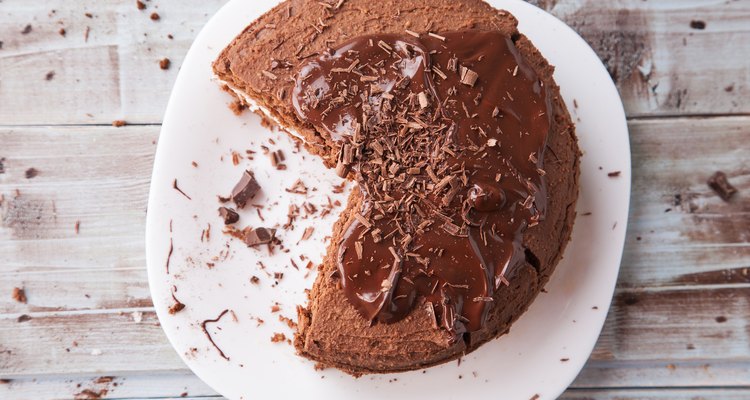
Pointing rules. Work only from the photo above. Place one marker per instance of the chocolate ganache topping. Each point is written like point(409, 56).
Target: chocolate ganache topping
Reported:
point(445, 136)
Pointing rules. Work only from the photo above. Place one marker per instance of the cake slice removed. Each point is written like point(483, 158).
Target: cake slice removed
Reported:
point(465, 162)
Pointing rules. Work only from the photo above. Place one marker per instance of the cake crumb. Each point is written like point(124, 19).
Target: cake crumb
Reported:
point(32, 173)
point(278, 337)
point(719, 183)
point(19, 295)
point(697, 24)
point(137, 317)
point(237, 107)
point(118, 123)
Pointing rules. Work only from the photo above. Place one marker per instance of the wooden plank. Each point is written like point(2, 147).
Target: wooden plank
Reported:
point(179, 384)
point(86, 178)
point(85, 342)
point(106, 67)
point(661, 64)
point(657, 394)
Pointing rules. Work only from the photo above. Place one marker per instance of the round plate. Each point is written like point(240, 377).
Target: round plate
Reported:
point(191, 259)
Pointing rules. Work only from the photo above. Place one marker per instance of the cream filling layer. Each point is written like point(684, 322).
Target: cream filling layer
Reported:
point(253, 106)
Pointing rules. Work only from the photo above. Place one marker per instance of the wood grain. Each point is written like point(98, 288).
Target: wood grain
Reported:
point(176, 384)
point(662, 66)
point(679, 326)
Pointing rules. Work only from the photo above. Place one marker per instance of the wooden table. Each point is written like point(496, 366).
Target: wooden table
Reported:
point(73, 235)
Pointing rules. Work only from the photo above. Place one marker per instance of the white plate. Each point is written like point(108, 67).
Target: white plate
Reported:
point(561, 324)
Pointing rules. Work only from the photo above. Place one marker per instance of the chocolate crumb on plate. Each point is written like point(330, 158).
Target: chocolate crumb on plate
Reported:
point(278, 337)
point(177, 188)
point(176, 307)
point(614, 174)
point(228, 215)
point(720, 184)
point(245, 189)
point(19, 295)
point(155, 17)
point(258, 236)
point(23, 318)
point(140, 5)
point(208, 335)
point(49, 76)
point(26, 30)
point(237, 107)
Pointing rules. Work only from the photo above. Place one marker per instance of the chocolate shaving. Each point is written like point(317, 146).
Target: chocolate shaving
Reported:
point(468, 77)
point(720, 184)
point(169, 255)
point(228, 215)
point(246, 189)
point(208, 335)
point(307, 234)
point(613, 174)
point(258, 236)
point(177, 188)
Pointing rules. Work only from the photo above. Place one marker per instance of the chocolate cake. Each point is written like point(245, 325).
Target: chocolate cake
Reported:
point(465, 162)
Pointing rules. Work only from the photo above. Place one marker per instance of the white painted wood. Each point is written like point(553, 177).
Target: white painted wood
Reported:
point(681, 312)
point(111, 73)
point(661, 64)
point(121, 386)
point(175, 384)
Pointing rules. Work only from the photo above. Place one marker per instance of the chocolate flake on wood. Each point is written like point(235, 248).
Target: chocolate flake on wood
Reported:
point(19, 295)
point(720, 184)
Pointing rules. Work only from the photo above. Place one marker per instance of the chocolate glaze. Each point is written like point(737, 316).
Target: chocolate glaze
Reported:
point(446, 140)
